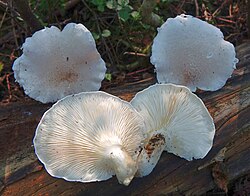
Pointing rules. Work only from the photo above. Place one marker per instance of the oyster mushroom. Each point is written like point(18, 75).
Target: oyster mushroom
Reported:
point(193, 53)
point(176, 120)
point(90, 136)
point(57, 63)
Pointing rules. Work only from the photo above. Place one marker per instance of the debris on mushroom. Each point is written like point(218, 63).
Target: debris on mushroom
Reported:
point(150, 154)
point(57, 63)
point(90, 136)
point(193, 53)
point(176, 120)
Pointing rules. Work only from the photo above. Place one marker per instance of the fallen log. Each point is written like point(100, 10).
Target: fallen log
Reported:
point(228, 161)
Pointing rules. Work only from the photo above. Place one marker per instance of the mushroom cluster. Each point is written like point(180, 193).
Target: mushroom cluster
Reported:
point(93, 135)
point(176, 120)
point(193, 53)
point(57, 63)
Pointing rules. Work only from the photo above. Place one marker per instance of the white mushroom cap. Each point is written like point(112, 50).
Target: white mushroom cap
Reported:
point(57, 63)
point(90, 137)
point(193, 53)
point(178, 114)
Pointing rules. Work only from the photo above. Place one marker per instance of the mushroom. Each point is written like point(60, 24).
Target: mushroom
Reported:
point(57, 63)
point(193, 53)
point(176, 120)
point(150, 153)
point(89, 137)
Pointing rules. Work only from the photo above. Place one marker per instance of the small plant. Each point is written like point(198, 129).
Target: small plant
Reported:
point(122, 7)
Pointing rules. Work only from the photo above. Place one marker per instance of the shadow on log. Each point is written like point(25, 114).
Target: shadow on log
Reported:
point(22, 174)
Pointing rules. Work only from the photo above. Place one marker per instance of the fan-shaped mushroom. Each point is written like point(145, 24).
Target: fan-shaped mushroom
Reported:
point(57, 63)
point(176, 121)
point(90, 137)
point(193, 53)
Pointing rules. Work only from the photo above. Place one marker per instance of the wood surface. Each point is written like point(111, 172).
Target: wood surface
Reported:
point(229, 160)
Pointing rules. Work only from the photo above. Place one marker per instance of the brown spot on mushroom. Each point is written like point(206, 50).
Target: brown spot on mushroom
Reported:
point(70, 77)
point(190, 74)
point(153, 143)
point(62, 76)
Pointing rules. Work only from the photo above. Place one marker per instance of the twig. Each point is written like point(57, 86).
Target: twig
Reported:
point(8, 85)
point(3, 4)
point(68, 5)
point(224, 25)
point(6, 55)
point(205, 12)
point(6, 9)
point(139, 71)
point(225, 20)
point(12, 13)
point(230, 10)
point(136, 54)
point(140, 81)
point(248, 17)
point(232, 35)
point(27, 15)
point(179, 8)
point(114, 53)
point(219, 8)
point(13, 29)
point(61, 23)
point(196, 7)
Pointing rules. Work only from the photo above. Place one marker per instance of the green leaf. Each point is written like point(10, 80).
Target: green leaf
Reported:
point(124, 13)
point(119, 7)
point(97, 2)
point(145, 26)
point(100, 4)
point(111, 4)
point(100, 8)
point(106, 33)
point(95, 35)
point(135, 15)
point(123, 3)
point(108, 76)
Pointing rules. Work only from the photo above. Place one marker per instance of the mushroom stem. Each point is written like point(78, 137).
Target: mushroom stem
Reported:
point(123, 164)
point(150, 154)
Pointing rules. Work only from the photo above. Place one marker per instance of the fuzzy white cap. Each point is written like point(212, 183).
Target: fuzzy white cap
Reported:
point(89, 137)
point(180, 116)
point(57, 63)
point(193, 53)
